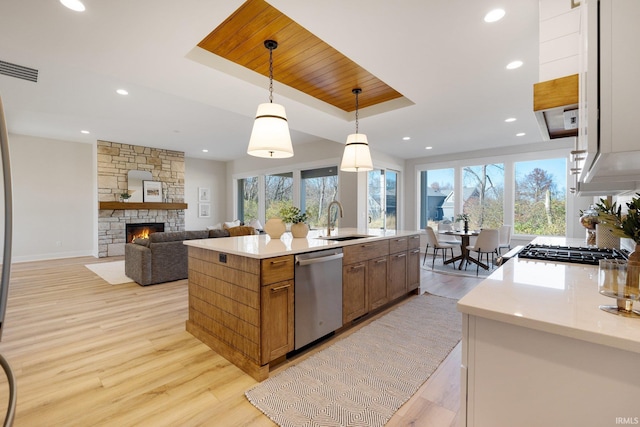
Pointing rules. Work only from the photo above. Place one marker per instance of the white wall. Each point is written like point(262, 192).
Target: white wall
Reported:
point(55, 198)
point(209, 174)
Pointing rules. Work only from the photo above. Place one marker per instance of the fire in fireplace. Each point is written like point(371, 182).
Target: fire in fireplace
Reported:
point(142, 230)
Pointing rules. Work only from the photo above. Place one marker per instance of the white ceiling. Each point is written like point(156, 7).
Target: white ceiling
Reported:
point(441, 55)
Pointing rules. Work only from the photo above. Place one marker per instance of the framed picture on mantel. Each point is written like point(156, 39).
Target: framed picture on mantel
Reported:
point(152, 191)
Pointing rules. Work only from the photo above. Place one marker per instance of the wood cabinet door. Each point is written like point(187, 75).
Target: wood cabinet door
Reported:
point(397, 280)
point(377, 282)
point(354, 291)
point(276, 318)
point(413, 269)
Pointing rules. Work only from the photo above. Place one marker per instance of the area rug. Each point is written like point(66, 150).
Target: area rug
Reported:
point(112, 272)
point(439, 267)
point(364, 378)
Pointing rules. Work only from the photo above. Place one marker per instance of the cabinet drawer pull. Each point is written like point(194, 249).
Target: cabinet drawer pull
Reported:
point(400, 240)
point(415, 237)
point(368, 246)
point(282, 261)
point(279, 288)
point(415, 251)
point(380, 261)
point(357, 267)
point(401, 255)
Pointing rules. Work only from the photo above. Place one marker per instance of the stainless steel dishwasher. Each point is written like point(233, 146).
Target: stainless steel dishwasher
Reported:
point(318, 295)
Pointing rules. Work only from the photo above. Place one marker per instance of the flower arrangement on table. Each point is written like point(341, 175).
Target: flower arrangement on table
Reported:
point(464, 217)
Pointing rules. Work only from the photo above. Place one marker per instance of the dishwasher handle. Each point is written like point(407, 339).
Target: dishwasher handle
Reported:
point(309, 261)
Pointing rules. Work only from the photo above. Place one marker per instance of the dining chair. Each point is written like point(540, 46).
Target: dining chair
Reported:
point(446, 225)
point(505, 238)
point(487, 243)
point(432, 241)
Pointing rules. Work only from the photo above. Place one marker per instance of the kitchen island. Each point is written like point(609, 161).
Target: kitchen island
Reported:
point(537, 350)
point(241, 289)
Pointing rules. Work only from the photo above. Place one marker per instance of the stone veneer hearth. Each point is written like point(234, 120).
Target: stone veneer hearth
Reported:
point(114, 163)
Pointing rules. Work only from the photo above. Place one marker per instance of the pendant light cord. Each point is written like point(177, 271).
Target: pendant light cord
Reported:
point(357, 112)
point(271, 75)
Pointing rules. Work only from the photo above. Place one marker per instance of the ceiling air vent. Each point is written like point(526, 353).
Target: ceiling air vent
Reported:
point(18, 71)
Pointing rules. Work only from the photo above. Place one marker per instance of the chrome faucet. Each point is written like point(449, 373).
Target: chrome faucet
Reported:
point(329, 215)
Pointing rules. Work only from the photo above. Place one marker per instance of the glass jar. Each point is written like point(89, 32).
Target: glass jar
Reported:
point(589, 219)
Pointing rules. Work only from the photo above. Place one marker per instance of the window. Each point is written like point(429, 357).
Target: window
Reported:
point(318, 188)
point(437, 198)
point(278, 192)
point(524, 191)
point(248, 199)
point(540, 197)
point(483, 195)
point(382, 199)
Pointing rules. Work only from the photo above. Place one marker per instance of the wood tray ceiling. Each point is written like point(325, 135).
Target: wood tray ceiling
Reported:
point(301, 61)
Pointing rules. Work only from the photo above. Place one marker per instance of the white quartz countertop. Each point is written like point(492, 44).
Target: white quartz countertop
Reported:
point(262, 246)
point(555, 297)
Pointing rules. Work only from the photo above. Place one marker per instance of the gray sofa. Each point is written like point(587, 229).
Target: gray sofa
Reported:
point(162, 257)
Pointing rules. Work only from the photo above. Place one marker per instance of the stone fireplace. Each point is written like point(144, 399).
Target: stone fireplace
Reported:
point(114, 163)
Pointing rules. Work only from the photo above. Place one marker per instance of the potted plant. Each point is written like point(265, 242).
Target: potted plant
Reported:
point(464, 217)
point(293, 215)
point(125, 195)
point(606, 211)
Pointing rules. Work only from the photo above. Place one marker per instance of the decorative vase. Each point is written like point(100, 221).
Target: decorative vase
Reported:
point(274, 227)
point(466, 226)
point(299, 229)
point(605, 238)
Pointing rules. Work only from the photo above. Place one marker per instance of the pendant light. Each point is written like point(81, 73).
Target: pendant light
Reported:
point(270, 136)
point(356, 157)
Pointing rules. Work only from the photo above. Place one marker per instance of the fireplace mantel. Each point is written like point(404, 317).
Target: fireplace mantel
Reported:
point(138, 205)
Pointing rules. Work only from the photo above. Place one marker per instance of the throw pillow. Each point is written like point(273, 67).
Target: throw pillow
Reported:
point(232, 224)
point(218, 226)
point(241, 230)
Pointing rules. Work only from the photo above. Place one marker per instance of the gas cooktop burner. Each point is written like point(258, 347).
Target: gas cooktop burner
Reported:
point(570, 254)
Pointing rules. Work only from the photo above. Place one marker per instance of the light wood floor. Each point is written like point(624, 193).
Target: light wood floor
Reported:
point(86, 353)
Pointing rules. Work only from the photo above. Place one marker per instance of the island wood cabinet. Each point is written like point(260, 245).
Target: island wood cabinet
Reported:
point(397, 279)
point(242, 307)
point(276, 307)
point(355, 277)
point(413, 263)
point(375, 273)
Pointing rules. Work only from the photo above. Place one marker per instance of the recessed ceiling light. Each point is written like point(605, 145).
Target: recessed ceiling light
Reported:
point(205, 150)
point(84, 131)
point(122, 92)
point(513, 65)
point(406, 138)
point(73, 5)
point(428, 148)
point(494, 15)
point(510, 119)
point(520, 134)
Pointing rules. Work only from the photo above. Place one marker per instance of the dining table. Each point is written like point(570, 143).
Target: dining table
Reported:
point(464, 253)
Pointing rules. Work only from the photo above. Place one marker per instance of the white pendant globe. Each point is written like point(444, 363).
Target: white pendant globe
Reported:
point(270, 136)
point(356, 157)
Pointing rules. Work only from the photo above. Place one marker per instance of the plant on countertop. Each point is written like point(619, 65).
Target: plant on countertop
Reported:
point(292, 215)
point(626, 226)
point(125, 195)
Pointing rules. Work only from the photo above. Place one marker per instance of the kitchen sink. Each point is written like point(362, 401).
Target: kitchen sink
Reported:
point(344, 238)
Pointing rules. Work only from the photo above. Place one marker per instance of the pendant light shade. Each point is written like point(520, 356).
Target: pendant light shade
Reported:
point(270, 136)
point(356, 156)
